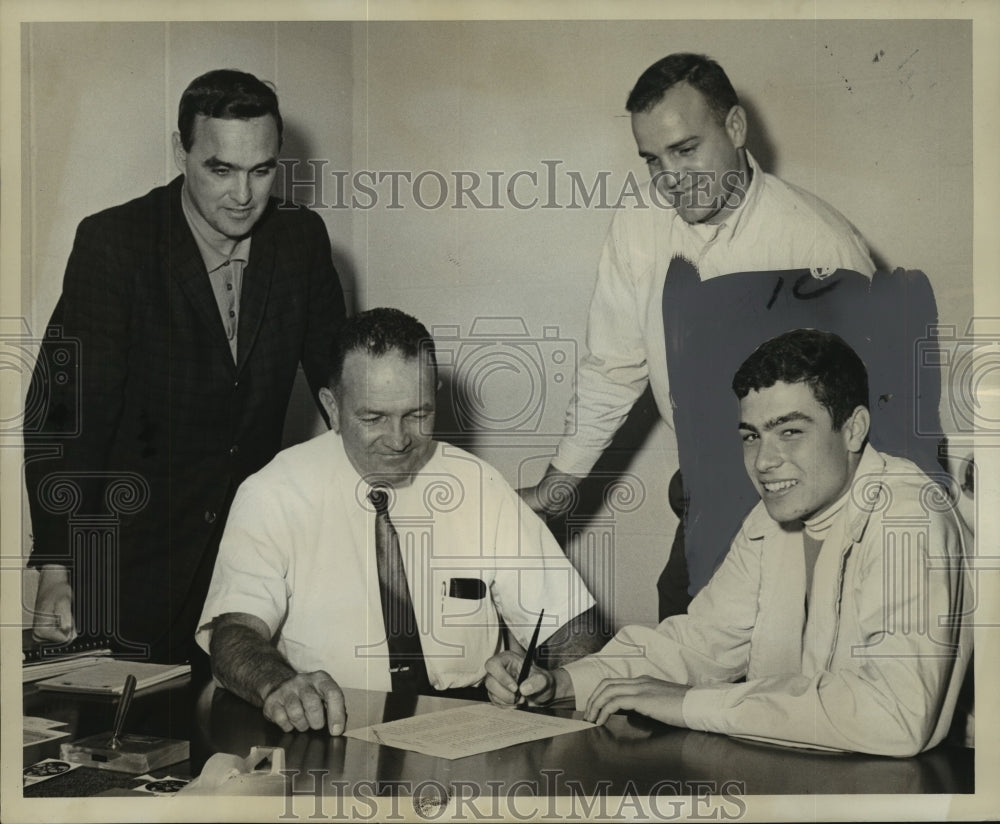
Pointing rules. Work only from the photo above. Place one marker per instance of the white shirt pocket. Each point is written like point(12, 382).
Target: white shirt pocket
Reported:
point(464, 630)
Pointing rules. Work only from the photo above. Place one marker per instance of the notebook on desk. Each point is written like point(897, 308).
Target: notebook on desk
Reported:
point(107, 677)
point(46, 660)
point(49, 668)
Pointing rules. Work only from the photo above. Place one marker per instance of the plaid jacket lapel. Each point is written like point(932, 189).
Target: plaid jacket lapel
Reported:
point(256, 285)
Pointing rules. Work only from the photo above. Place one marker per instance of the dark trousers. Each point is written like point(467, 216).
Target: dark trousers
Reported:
point(672, 585)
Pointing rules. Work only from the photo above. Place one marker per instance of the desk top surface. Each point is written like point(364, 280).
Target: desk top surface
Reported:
point(630, 754)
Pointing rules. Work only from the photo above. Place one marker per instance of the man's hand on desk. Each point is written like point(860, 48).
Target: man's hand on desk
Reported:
point(308, 700)
point(53, 620)
point(553, 494)
point(245, 663)
point(540, 688)
point(661, 700)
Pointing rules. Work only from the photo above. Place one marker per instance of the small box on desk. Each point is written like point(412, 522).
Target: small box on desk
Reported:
point(135, 753)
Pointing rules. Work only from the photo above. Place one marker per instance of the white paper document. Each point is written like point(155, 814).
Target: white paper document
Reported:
point(466, 730)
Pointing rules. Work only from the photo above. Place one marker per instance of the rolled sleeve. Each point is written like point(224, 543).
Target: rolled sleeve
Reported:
point(251, 570)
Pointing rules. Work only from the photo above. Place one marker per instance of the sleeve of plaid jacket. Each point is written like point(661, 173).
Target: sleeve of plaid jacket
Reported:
point(78, 405)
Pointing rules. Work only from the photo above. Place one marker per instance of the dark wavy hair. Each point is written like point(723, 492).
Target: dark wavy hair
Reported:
point(227, 94)
point(822, 360)
point(697, 70)
point(377, 332)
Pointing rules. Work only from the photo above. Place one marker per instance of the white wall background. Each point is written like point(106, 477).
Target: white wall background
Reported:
point(873, 116)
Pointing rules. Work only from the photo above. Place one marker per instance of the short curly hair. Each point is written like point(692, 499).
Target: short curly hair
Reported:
point(822, 360)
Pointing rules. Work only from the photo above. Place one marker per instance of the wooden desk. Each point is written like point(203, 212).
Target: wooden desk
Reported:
point(627, 755)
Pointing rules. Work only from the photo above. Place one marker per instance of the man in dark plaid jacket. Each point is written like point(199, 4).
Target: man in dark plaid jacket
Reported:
point(165, 374)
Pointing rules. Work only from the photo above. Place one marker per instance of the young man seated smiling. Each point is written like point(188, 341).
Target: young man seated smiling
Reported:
point(834, 621)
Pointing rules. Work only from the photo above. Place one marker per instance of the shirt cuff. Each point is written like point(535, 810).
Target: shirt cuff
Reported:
point(701, 708)
point(203, 635)
point(233, 602)
point(585, 674)
point(575, 460)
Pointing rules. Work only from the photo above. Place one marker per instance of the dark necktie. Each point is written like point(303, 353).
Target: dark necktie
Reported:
point(406, 657)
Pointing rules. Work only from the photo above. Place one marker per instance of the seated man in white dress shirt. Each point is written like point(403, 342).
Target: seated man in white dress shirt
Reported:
point(299, 602)
point(836, 619)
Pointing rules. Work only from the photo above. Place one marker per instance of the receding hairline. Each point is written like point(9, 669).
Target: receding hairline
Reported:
point(423, 358)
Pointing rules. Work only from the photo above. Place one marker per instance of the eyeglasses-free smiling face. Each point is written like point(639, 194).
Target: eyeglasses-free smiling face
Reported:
point(229, 171)
point(694, 159)
point(798, 462)
point(383, 409)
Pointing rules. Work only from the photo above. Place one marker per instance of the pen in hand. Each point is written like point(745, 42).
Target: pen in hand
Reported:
point(529, 657)
point(122, 710)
